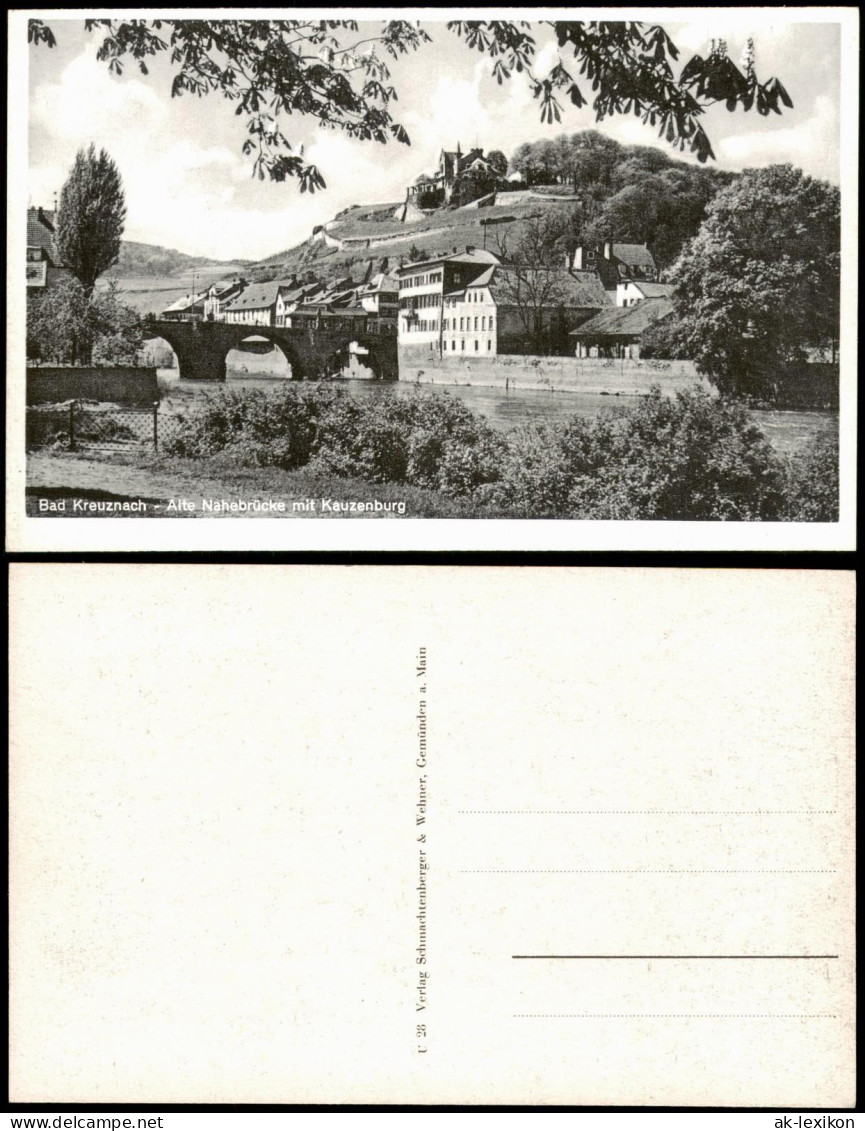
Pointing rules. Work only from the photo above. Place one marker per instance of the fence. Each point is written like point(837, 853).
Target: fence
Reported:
point(102, 427)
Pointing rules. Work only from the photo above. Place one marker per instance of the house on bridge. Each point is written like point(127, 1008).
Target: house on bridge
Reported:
point(218, 297)
point(379, 297)
point(189, 308)
point(256, 305)
point(618, 332)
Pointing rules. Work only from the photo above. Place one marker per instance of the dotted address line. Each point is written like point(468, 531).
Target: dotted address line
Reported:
point(711, 1016)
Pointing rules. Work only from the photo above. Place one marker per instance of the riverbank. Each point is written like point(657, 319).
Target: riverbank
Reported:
point(788, 430)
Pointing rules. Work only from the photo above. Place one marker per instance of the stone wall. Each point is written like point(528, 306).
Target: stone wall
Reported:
point(626, 377)
point(121, 384)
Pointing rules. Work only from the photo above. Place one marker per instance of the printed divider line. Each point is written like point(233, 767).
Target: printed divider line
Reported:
point(673, 957)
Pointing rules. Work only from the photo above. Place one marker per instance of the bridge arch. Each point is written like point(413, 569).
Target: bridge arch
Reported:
point(202, 347)
point(260, 355)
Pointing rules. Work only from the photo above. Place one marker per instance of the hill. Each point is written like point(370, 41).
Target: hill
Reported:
point(607, 190)
point(152, 277)
point(137, 259)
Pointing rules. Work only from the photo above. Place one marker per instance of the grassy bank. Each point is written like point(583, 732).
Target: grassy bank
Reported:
point(158, 479)
point(691, 457)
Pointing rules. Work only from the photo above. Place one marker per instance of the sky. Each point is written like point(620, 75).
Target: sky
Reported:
point(189, 187)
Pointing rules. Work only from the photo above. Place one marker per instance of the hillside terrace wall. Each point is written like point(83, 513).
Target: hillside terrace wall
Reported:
point(622, 377)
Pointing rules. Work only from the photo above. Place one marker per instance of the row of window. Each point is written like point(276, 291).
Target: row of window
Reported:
point(463, 345)
point(422, 326)
point(468, 323)
point(470, 296)
point(420, 302)
point(420, 280)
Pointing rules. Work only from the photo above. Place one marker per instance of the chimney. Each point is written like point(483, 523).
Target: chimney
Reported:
point(608, 249)
point(470, 248)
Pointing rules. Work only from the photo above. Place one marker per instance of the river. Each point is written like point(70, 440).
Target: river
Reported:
point(787, 431)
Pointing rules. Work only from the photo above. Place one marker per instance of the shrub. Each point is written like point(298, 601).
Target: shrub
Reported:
point(426, 439)
point(812, 482)
point(692, 457)
point(256, 428)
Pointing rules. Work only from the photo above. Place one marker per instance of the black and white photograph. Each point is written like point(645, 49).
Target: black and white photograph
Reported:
point(551, 283)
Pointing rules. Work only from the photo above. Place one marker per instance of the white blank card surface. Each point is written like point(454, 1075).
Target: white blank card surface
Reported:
point(432, 835)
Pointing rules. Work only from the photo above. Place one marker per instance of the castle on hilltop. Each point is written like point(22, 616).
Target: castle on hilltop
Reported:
point(436, 188)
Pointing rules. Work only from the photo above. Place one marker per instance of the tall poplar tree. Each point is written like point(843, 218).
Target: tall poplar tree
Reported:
point(92, 215)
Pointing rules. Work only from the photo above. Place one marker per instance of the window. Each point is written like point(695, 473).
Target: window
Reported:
point(489, 344)
point(483, 322)
point(462, 343)
point(476, 345)
point(476, 323)
point(491, 321)
point(461, 323)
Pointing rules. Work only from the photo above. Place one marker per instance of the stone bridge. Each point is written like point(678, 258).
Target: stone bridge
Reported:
point(202, 347)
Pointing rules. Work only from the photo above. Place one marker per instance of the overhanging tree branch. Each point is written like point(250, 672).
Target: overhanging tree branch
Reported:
point(626, 67)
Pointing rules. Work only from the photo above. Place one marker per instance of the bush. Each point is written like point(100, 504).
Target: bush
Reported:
point(256, 428)
point(812, 482)
point(692, 457)
point(424, 439)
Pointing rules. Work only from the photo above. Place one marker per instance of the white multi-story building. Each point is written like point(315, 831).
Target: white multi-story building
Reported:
point(470, 319)
point(255, 305)
point(422, 287)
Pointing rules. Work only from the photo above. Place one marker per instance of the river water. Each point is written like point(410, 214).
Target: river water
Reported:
point(787, 431)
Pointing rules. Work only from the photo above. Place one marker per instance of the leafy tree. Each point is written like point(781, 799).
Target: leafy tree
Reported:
point(663, 209)
point(533, 279)
point(319, 68)
point(472, 184)
point(760, 282)
point(68, 324)
point(92, 215)
point(498, 163)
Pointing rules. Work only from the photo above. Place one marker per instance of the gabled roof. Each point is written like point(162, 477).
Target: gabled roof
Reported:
point(40, 231)
point(186, 302)
point(485, 278)
point(634, 254)
point(653, 290)
point(578, 289)
point(224, 286)
point(472, 255)
point(259, 296)
point(625, 319)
